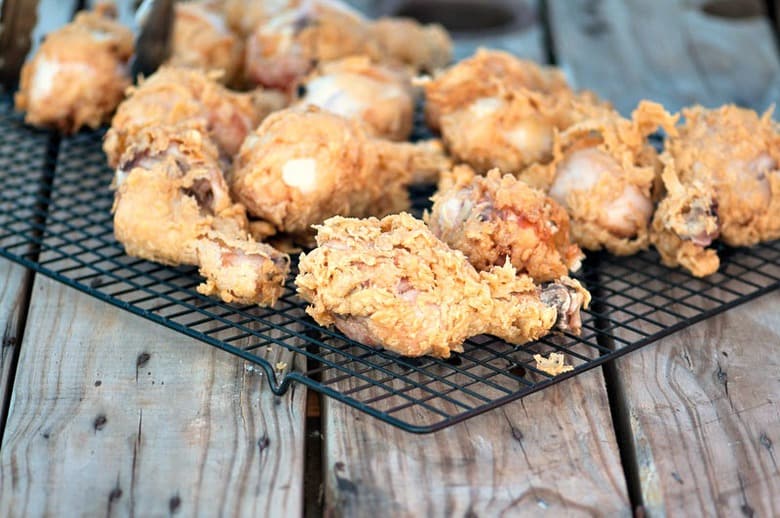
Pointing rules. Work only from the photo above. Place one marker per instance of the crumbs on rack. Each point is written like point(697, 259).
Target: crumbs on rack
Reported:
point(553, 364)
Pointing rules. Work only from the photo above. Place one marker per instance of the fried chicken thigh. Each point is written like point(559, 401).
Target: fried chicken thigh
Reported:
point(722, 179)
point(172, 206)
point(301, 167)
point(79, 74)
point(604, 173)
point(391, 283)
point(497, 111)
point(202, 39)
point(497, 218)
point(358, 89)
point(174, 95)
point(483, 79)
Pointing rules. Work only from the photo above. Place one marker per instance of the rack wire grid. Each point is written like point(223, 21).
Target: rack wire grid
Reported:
point(55, 218)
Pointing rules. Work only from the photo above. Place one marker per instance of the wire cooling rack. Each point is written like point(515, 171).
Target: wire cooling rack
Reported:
point(55, 218)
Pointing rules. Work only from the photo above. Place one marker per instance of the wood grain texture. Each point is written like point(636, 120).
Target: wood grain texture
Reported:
point(669, 51)
point(14, 281)
point(705, 415)
point(114, 415)
point(702, 416)
point(553, 451)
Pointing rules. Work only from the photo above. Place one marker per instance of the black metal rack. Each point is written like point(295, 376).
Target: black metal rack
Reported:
point(55, 218)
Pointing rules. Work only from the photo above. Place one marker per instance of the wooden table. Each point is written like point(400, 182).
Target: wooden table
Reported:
point(108, 414)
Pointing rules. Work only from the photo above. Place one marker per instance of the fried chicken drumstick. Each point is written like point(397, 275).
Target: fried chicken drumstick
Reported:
point(202, 39)
point(604, 173)
point(172, 206)
point(301, 167)
point(355, 88)
point(284, 49)
point(722, 179)
point(391, 283)
point(494, 218)
point(173, 95)
point(79, 74)
point(497, 111)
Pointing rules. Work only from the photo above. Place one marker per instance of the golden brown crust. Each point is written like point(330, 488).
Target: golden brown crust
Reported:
point(241, 271)
point(169, 192)
point(301, 167)
point(201, 39)
point(79, 74)
point(498, 217)
point(391, 283)
point(604, 172)
point(488, 73)
point(358, 89)
point(176, 95)
point(280, 52)
point(722, 179)
point(423, 48)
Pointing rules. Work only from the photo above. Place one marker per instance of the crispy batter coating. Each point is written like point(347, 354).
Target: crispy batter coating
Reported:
point(244, 16)
point(285, 48)
point(280, 52)
point(495, 218)
point(241, 270)
point(170, 191)
point(488, 74)
point(301, 167)
point(422, 48)
point(357, 89)
point(604, 173)
point(174, 95)
point(79, 74)
point(722, 177)
point(172, 206)
point(202, 39)
point(391, 283)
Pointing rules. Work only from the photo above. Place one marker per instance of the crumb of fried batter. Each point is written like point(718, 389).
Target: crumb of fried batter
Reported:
point(553, 364)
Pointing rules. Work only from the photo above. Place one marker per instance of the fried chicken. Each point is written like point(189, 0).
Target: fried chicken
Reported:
point(174, 95)
point(201, 39)
point(497, 218)
point(284, 49)
point(497, 111)
point(301, 167)
point(358, 89)
point(484, 79)
point(604, 172)
point(422, 48)
point(240, 270)
point(722, 179)
point(79, 74)
point(172, 206)
point(244, 16)
point(391, 283)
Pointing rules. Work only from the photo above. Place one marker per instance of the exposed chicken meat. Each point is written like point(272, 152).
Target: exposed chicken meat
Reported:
point(497, 218)
point(391, 283)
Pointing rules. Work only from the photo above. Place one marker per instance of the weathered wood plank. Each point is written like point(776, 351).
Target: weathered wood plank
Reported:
point(701, 416)
point(14, 281)
point(705, 416)
point(554, 450)
point(114, 415)
point(670, 51)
